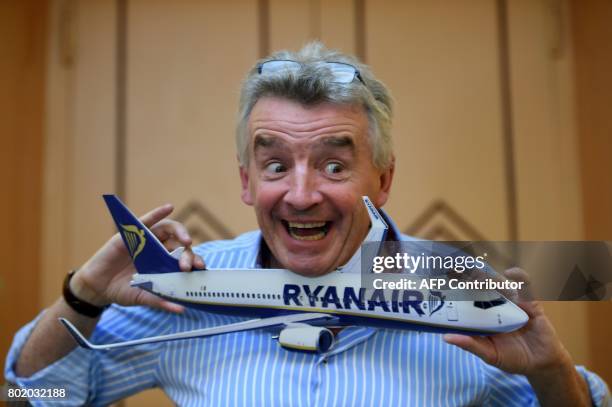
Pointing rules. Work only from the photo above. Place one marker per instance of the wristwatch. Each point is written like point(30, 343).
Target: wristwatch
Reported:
point(80, 306)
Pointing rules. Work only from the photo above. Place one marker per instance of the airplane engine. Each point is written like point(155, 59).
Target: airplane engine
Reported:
point(308, 338)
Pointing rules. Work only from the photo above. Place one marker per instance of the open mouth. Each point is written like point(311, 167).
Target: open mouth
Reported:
point(307, 230)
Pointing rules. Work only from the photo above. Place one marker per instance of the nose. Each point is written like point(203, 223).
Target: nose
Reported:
point(303, 190)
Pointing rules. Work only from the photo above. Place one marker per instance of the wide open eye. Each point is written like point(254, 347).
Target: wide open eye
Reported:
point(334, 168)
point(275, 168)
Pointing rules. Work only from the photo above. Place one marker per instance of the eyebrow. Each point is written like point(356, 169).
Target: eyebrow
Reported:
point(265, 142)
point(338, 141)
point(262, 141)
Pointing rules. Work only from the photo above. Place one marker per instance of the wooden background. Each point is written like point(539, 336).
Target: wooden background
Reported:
point(502, 128)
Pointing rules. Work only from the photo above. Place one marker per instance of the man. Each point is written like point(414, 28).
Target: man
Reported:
point(313, 137)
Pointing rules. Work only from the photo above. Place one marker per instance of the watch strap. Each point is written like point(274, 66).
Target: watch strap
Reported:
point(79, 306)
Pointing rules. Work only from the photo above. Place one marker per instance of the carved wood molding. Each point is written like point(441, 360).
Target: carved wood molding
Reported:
point(202, 224)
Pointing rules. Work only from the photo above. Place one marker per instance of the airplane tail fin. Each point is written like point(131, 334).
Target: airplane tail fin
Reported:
point(376, 235)
point(148, 254)
point(378, 230)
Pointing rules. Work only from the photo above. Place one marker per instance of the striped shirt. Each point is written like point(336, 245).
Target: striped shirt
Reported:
point(366, 366)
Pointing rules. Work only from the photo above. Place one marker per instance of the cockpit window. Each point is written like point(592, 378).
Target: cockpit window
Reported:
point(489, 304)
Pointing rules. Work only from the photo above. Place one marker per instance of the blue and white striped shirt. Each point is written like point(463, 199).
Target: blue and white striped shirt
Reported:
point(366, 367)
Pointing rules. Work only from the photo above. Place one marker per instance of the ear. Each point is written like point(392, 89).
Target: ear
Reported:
point(385, 179)
point(246, 195)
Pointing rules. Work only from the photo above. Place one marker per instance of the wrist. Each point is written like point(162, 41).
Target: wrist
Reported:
point(560, 366)
point(82, 290)
point(79, 304)
point(76, 290)
point(559, 383)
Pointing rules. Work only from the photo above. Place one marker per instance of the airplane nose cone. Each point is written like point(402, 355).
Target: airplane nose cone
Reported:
point(514, 317)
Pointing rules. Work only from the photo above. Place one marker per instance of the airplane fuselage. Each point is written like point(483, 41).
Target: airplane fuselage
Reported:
point(296, 304)
point(273, 292)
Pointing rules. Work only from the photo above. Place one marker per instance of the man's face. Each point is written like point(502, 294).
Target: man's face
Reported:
point(308, 168)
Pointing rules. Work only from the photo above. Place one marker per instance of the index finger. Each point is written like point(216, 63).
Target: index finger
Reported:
point(519, 275)
point(151, 218)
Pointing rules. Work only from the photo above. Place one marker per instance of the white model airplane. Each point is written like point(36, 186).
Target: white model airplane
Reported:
point(302, 307)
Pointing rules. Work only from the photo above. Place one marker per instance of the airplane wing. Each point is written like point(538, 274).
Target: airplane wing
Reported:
point(197, 333)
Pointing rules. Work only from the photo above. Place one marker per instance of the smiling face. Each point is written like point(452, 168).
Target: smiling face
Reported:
point(308, 168)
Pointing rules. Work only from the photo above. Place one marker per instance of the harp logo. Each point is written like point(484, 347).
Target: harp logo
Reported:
point(436, 301)
point(135, 239)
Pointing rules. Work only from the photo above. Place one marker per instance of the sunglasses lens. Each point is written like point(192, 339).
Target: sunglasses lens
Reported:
point(272, 67)
point(343, 73)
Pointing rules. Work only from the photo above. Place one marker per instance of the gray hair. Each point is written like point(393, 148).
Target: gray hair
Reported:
point(314, 83)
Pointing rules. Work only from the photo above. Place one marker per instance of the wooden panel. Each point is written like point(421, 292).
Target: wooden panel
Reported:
point(592, 34)
point(185, 68)
point(593, 55)
point(543, 112)
point(93, 137)
point(79, 154)
point(293, 23)
point(337, 22)
point(60, 53)
point(22, 27)
point(448, 131)
point(440, 59)
point(546, 158)
point(183, 85)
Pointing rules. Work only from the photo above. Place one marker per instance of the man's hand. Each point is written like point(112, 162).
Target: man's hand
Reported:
point(104, 278)
point(534, 351)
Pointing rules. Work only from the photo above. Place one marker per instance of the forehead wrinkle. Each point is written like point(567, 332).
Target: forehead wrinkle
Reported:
point(302, 126)
point(337, 135)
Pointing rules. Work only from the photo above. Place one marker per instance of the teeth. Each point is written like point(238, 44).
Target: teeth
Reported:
point(318, 236)
point(306, 225)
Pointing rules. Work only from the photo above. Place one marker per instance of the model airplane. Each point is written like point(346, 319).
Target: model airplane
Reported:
point(302, 307)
